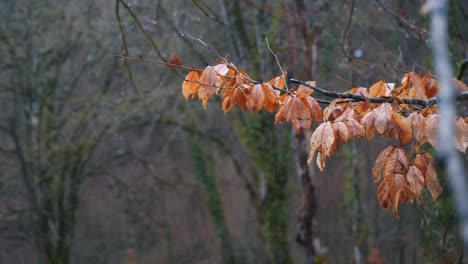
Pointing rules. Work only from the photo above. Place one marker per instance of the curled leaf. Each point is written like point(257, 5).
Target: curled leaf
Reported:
point(322, 141)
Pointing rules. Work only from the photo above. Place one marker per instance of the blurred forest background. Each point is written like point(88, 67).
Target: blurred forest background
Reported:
point(103, 161)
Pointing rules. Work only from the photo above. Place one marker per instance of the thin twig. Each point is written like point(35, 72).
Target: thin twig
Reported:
point(140, 58)
point(204, 8)
point(137, 22)
point(182, 34)
point(403, 21)
point(277, 61)
point(124, 46)
point(344, 35)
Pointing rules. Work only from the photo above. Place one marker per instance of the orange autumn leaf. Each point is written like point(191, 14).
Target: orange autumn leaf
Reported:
point(393, 191)
point(355, 128)
point(461, 142)
point(417, 127)
point(300, 115)
point(378, 89)
point(360, 107)
point(271, 97)
point(283, 111)
point(314, 107)
point(431, 130)
point(341, 131)
point(391, 160)
point(293, 109)
point(238, 96)
point(417, 89)
point(402, 193)
point(459, 86)
point(402, 128)
point(426, 164)
point(415, 179)
point(431, 86)
point(391, 165)
point(190, 85)
point(221, 69)
point(256, 98)
point(304, 91)
point(383, 119)
point(322, 141)
point(278, 82)
point(367, 122)
point(299, 108)
point(210, 82)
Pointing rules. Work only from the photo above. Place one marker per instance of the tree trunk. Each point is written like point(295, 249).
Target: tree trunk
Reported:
point(306, 213)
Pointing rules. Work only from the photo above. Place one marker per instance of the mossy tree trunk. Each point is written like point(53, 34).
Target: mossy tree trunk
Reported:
point(205, 172)
point(270, 148)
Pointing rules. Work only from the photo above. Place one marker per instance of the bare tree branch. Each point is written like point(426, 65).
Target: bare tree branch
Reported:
point(461, 69)
point(414, 101)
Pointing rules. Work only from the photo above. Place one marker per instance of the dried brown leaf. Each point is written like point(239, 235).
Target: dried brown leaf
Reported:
point(300, 115)
point(278, 82)
point(256, 98)
point(431, 129)
point(402, 128)
point(271, 97)
point(190, 85)
point(426, 164)
point(431, 85)
point(417, 90)
point(283, 111)
point(415, 180)
point(417, 126)
point(304, 91)
point(210, 82)
point(355, 128)
point(378, 89)
point(221, 69)
point(368, 121)
point(341, 131)
point(314, 107)
point(378, 169)
point(461, 142)
point(391, 160)
point(322, 140)
point(384, 194)
point(383, 119)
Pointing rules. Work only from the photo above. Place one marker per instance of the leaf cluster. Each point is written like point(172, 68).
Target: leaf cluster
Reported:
point(383, 111)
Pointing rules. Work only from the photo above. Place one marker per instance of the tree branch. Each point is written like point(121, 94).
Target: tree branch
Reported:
point(461, 69)
point(403, 21)
point(414, 101)
point(124, 46)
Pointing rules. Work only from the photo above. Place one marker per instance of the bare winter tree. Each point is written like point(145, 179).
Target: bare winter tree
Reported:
point(51, 121)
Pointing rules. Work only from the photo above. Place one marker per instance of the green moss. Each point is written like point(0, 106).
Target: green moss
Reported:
point(270, 148)
point(203, 163)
